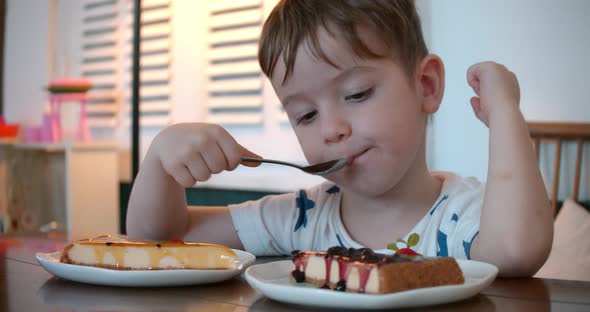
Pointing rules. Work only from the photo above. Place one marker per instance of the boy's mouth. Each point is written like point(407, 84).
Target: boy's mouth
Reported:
point(354, 157)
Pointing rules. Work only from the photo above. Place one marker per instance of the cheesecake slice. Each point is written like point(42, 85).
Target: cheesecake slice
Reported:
point(121, 254)
point(364, 271)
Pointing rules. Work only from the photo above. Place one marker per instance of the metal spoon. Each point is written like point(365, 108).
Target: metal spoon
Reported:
point(317, 169)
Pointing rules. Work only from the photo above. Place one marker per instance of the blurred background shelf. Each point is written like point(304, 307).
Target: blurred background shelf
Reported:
point(70, 187)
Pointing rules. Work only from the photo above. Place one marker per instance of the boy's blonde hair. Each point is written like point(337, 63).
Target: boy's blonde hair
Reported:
point(395, 22)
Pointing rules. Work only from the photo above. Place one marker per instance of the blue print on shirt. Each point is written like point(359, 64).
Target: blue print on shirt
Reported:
point(333, 189)
point(455, 217)
point(440, 201)
point(467, 246)
point(442, 245)
point(304, 204)
point(339, 240)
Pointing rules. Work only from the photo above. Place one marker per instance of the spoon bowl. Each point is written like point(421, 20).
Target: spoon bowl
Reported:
point(315, 169)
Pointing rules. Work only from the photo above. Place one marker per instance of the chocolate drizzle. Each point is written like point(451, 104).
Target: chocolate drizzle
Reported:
point(364, 255)
point(340, 286)
point(298, 276)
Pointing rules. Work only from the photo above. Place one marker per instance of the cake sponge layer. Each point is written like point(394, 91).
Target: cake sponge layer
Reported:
point(121, 254)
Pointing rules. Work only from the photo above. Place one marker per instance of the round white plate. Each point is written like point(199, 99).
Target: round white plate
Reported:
point(139, 278)
point(274, 281)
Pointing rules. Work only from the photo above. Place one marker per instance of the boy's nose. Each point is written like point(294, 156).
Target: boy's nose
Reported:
point(335, 128)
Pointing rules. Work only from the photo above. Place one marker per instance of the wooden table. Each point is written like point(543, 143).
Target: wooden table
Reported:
point(26, 286)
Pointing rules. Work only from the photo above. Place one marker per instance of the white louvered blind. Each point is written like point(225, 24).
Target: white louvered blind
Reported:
point(107, 62)
point(99, 60)
point(235, 82)
point(155, 61)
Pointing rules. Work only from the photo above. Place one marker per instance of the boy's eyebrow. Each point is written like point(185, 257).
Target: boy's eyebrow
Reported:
point(341, 76)
point(291, 98)
point(352, 70)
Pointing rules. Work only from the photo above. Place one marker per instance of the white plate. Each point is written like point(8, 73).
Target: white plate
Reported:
point(139, 278)
point(274, 281)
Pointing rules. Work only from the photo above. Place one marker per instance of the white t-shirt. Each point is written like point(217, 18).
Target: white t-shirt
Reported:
point(310, 220)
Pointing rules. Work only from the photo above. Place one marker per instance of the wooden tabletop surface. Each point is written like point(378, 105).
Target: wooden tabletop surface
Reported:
point(26, 286)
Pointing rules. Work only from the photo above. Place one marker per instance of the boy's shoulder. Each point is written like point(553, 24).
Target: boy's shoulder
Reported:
point(454, 183)
point(459, 193)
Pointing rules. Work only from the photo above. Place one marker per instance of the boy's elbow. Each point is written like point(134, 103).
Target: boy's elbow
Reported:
point(518, 268)
point(517, 258)
point(524, 260)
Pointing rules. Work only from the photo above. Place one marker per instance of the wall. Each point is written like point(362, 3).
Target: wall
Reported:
point(36, 51)
point(25, 60)
point(544, 42)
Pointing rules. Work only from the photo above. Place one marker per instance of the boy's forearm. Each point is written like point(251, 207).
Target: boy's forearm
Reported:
point(516, 227)
point(157, 205)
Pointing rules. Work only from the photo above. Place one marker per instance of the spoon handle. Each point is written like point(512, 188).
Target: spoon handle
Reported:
point(272, 161)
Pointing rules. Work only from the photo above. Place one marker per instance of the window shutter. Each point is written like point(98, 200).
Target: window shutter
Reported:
point(99, 60)
point(107, 62)
point(235, 82)
point(155, 62)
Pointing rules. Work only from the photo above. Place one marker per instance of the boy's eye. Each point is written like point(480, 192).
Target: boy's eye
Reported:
point(307, 117)
point(360, 96)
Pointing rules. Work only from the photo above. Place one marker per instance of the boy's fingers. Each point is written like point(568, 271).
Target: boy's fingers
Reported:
point(474, 76)
point(472, 72)
point(473, 81)
point(215, 159)
point(231, 149)
point(197, 168)
point(247, 153)
point(182, 176)
point(476, 105)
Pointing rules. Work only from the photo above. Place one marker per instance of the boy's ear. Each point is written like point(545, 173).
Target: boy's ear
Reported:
point(431, 82)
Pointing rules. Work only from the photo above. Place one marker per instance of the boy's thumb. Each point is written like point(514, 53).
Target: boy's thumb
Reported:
point(247, 153)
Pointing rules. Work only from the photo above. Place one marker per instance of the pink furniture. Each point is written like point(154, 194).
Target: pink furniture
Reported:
point(56, 100)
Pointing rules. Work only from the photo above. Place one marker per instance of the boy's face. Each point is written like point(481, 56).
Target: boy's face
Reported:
point(365, 110)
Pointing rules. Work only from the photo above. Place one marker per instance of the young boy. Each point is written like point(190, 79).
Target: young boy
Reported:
point(356, 81)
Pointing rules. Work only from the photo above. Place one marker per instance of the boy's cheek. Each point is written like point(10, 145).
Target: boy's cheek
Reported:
point(311, 150)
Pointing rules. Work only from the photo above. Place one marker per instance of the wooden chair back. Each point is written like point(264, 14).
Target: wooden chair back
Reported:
point(560, 133)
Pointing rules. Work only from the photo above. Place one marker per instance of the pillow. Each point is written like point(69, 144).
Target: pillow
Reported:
point(570, 254)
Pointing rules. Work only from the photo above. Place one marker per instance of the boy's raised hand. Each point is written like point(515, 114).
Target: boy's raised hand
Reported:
point(191, 152)
point(515, 195)
point(496, 90)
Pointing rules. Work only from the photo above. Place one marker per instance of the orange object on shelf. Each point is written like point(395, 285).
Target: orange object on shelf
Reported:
point(8, 130)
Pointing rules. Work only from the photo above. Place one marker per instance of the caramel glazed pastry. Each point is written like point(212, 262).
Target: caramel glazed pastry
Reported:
point(121, 254)
point(364, 271)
